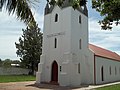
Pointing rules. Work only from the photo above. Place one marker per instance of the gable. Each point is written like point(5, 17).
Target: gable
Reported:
point(98, 51)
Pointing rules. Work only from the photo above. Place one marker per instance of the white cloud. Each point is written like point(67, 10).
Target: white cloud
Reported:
point(38, 13)
point(10, 31)
point(104, 38)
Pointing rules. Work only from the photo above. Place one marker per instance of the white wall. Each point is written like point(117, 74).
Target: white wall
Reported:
point(13, 71)
point(63, 41)
point(80, 31)
point(106, 63)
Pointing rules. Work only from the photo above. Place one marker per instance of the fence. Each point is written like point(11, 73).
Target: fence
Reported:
point(13, 71)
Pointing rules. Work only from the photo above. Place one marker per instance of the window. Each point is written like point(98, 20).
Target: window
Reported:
point(119, 69)
point(115, 71)
point(55, 45)
point(80, 44)
point(0, 4)
point(110, 70)
point(102, 74)
point(80, 19)
point(56, 17)
point(60, 68)
point(79, 68)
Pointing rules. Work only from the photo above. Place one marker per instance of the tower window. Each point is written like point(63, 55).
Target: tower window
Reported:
point(56, 17)
point(55, 45)
point(80, 44)
point(80, 19)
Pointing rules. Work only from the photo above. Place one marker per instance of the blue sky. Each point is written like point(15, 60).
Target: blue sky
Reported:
point(11, 30)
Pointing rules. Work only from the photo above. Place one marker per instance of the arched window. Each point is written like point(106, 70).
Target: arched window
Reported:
point(80, 19)
point(110, 70)
point(56, 17)
point(102, 74)
point(79, 68)
point(55, 43)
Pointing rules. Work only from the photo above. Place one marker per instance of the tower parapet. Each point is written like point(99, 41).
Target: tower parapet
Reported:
point(66, 3)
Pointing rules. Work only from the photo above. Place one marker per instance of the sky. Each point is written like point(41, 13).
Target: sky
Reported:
point(11, 30)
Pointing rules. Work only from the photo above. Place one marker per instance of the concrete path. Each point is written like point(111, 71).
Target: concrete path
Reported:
point(32, 86)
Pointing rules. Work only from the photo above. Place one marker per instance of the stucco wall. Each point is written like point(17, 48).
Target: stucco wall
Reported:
point(107, 63)
point(13, 71)
point(61, 31)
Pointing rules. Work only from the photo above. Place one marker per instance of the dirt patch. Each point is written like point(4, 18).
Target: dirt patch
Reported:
point(30, 86)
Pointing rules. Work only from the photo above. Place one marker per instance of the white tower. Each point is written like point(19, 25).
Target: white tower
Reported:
point(65, 41)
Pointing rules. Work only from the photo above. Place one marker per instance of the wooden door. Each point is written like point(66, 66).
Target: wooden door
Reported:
point(54, 74)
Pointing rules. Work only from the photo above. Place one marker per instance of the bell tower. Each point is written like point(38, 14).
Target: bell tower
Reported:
point(65, 40)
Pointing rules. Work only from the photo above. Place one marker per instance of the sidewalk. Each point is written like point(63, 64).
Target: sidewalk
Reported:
point(98, 86)
point(32, 86)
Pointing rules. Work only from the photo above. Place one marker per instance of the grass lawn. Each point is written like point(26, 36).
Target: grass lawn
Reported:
point(16, 78)
point(112, 87)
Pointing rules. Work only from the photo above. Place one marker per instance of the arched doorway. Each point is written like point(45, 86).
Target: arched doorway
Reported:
point(54, 72)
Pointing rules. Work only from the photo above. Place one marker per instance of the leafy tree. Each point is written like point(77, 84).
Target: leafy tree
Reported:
point(21, 8)
point(29, 47)
point(7, 63)
point(0, 62)
point(110, 9)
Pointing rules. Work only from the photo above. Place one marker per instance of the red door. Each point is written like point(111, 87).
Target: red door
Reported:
point(54, 76)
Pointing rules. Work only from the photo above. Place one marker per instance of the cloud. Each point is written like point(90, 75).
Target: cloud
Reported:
point(10, 31)
point(38, 13)
point(104, 38)
point(7, 46)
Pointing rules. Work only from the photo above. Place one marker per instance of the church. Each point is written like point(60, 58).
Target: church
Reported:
point(67, 57)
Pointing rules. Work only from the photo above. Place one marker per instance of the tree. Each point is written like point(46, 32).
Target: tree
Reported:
point(21, 8)
point(110, 9)
point(0, 62)
point(7, 63)
point(29, 47)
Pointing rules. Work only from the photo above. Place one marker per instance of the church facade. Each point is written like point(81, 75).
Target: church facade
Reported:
point(67, 58)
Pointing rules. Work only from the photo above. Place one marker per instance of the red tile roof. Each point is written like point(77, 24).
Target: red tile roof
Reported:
point(98, 51)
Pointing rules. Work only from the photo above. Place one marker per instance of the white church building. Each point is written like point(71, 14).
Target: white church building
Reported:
point(67, 58)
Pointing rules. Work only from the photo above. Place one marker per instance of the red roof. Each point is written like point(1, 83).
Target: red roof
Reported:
point(98, 51)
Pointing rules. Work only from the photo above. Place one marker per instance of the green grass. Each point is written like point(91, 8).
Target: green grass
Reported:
point(112, 87)
point(16, 78)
